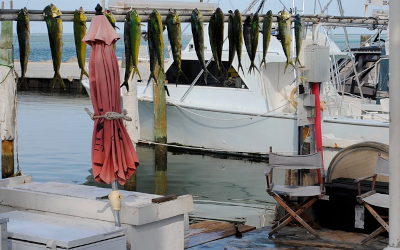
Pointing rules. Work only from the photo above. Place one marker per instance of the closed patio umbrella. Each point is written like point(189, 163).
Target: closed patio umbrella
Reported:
point(113, 155)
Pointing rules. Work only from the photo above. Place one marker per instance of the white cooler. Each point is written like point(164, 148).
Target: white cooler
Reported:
point(31, 231)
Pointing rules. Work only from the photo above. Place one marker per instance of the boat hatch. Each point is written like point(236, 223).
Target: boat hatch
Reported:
point(192, 68)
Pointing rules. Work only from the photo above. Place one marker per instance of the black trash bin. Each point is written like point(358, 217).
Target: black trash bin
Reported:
point(338, 213)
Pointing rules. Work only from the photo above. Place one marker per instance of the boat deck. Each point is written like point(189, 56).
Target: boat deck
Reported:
point(287, 238)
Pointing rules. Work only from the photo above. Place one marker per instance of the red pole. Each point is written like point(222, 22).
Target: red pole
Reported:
point(317, 124)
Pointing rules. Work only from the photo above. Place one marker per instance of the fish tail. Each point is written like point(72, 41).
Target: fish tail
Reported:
point(80, 78)
point(263, 61)
point(205, 76)
point(85, 73)
point(298, 61)
point(180, 73)
point(24, 81)
point(136, 70)
point(56, 77)
point(241, 67)
point(125, 83)
point(152, 76)
point(287, 64)
point(254, 68)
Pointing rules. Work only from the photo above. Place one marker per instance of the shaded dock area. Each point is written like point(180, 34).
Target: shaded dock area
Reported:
point(291, 237)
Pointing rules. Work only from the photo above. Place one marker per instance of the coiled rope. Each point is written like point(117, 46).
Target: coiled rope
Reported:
point(110, 115)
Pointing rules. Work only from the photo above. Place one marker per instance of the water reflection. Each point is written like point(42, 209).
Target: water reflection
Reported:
point(55, 144)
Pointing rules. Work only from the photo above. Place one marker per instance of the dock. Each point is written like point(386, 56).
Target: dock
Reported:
point(292, 237)
point(40, 74)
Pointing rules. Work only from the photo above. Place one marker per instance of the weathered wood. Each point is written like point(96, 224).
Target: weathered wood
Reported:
point(160, 132)
point(7, 158)
point(169, 197)
point(207, 231)
point(6, 91)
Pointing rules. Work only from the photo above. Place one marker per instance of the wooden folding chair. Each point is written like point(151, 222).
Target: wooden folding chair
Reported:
point(372, 199)
point(283, 193)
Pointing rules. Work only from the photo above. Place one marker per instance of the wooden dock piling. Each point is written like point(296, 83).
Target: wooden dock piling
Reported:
point(7, 97)
point(160, 131)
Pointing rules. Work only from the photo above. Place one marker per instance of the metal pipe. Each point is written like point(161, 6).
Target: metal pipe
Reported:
point(68, 16)
point(394, 131)
point(114, 187)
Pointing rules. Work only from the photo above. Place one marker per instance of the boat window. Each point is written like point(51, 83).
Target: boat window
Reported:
point(192, 69)
point(367, 65)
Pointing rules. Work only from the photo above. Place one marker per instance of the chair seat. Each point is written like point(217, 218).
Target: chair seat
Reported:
point(297, 191)
point(379, 200)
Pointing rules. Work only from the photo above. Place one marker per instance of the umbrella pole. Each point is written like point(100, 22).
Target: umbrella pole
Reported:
point(115, 198)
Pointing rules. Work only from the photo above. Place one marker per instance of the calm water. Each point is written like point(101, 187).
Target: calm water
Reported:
point(55, 136)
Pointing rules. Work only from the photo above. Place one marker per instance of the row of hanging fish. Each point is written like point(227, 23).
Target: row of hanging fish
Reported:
point(54, 25)
point(238, 31)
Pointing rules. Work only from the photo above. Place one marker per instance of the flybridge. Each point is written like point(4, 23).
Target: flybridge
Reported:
point(68, 16)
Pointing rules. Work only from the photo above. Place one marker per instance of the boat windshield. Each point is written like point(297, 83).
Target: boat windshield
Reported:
point(192, 68)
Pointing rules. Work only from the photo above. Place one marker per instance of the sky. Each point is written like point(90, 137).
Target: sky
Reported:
point(352, 8)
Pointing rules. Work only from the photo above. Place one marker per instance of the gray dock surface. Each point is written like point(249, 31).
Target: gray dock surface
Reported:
point(295, 238)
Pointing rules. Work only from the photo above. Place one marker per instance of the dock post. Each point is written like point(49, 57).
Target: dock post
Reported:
point(7, 97)
point(394, 131)
point(130, 103)
point(160, 132)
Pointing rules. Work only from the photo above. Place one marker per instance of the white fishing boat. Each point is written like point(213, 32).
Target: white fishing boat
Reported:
point(250, 112)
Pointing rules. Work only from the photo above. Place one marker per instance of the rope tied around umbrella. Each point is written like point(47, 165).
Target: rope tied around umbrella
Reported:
point(110, 115)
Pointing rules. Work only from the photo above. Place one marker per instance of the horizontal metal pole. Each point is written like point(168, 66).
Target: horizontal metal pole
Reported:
point(68, 16)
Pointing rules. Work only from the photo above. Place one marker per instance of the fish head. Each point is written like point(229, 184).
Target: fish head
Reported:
point(269, 13)
point(23, 14)
point(81, 14)
point(297, 19)
point(285, 15)
point(55, 11)
point(135, 17)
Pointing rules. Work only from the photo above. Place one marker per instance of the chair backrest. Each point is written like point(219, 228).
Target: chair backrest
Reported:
point(381, 166)
point(311, 161)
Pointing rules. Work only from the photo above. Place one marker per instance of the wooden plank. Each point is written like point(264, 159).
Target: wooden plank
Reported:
point(207, 231)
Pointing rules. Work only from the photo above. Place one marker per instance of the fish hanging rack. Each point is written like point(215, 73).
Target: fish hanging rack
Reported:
point(68, 16)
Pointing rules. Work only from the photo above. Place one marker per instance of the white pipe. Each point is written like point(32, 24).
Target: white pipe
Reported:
point(394, 131)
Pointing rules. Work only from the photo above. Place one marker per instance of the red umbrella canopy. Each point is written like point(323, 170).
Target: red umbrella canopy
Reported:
point(113, 154)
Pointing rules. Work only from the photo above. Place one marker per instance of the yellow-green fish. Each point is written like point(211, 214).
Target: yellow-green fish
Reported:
point(216, 34)
point(53, 20)
point(128, 49)
point(136, 35)
point(238, 30)
point(156, 46)
point(80, 46)
point(231, 37)
point(267, 29)
point(284, 35)
point(197, 21)
point(23, 33)
point(175, 36)
point(298, 30)
point(111, 18)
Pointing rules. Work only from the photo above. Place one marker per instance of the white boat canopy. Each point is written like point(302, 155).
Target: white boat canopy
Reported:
point(165, 4)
